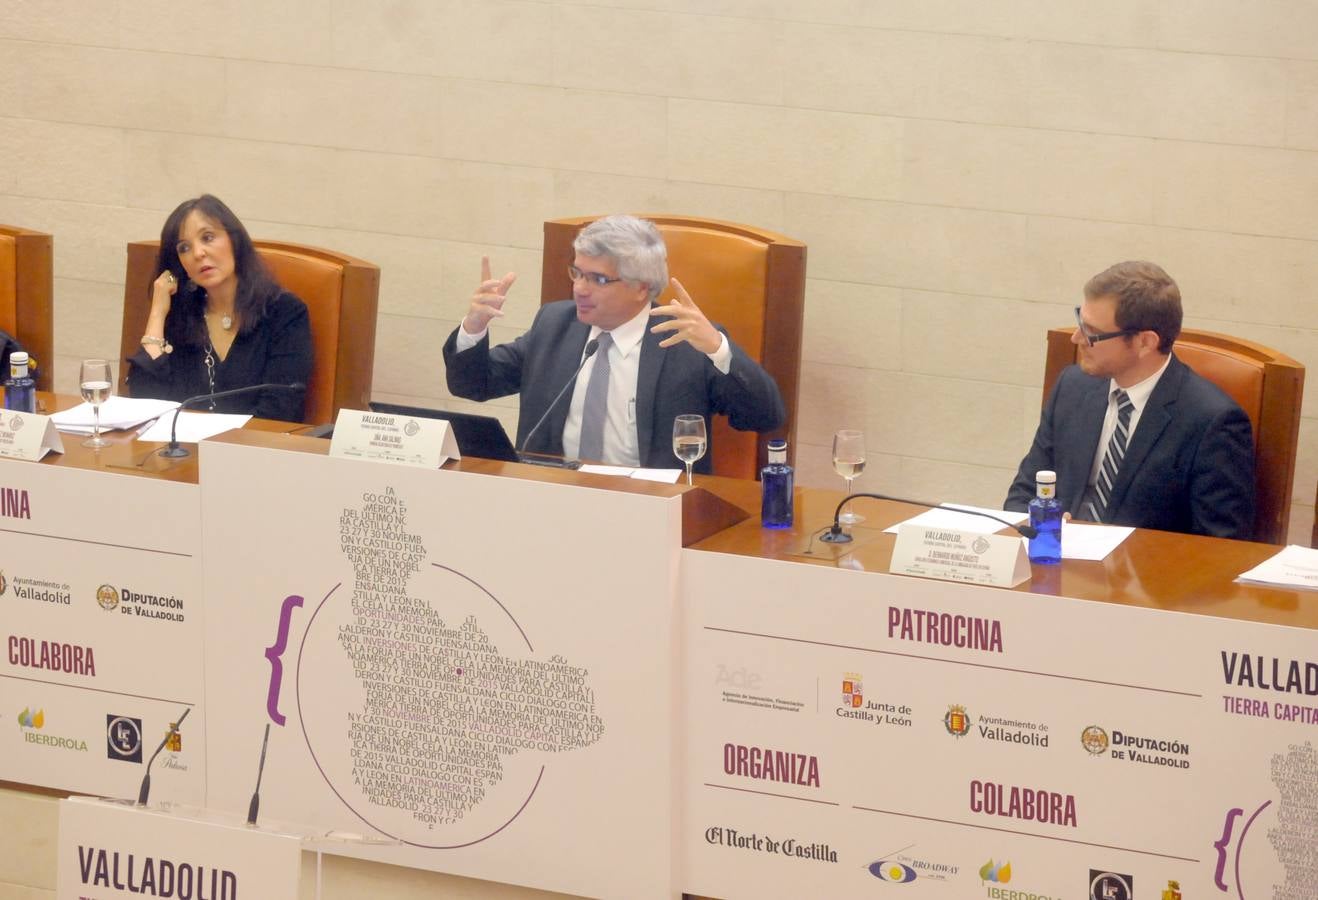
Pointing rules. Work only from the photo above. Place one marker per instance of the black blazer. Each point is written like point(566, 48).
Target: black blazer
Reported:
point(277, 351)
point(1189, 466)
point(670, 381)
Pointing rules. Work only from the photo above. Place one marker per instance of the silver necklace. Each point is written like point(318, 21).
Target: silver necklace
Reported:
point(209, 359)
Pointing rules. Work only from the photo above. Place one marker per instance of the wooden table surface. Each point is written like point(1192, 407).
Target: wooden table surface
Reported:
point(1156, 569)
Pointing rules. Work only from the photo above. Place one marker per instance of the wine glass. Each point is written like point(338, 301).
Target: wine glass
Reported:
point(849, 462)
point(689, 441)
point(94, 382)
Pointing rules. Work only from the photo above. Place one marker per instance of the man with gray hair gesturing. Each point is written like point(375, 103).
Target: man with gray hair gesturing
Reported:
point(653, 363)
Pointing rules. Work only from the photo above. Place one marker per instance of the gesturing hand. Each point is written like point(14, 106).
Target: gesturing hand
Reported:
point(687, 323)
point(487, 301)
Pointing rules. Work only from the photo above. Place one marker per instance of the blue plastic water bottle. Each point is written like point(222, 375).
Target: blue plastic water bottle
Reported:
point(776, 488)
point(20, 387)
point(1046, 518)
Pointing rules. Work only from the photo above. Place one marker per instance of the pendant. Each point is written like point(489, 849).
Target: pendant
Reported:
point(226, 322)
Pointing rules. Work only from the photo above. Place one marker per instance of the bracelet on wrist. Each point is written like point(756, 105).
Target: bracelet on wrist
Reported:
point(164, 345)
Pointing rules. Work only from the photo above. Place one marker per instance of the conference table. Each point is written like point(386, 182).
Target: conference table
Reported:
point(749, 636)
point(1156, 569)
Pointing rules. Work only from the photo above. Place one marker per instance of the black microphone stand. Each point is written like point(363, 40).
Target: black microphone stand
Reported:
point(836, 535)
point(174, 451)
point(145, 790)
point(544, 459)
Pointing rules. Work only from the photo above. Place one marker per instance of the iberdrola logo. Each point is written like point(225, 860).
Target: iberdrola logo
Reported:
point(29, 719)
point(991, 871)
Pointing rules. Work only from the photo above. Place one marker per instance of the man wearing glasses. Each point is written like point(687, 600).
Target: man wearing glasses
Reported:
point(1134, 435)
point(652, 364)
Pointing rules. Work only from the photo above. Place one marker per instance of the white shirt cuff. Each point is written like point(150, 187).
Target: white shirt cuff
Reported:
point(467, 341)
point(721, 358)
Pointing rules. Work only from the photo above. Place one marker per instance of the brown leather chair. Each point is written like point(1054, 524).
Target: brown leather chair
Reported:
point(341, 293)
point(747, 279)
point(27, 291)
point(1268, 386)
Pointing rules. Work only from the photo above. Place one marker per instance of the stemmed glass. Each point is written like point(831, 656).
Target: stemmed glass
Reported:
point(95, 384)
point(849, 462)
point(689, 440)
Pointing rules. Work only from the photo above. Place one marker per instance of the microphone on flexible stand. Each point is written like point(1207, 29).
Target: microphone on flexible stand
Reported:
point(255, 804)
point(837, 536)
point(174, 451)
point(591, 346)
point(145, 790)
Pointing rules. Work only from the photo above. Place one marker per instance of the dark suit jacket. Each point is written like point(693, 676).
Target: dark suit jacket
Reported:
point(670, 381)
point(1189, 466)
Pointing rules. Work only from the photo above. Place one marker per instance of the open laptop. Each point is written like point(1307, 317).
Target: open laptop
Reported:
point(481, 436)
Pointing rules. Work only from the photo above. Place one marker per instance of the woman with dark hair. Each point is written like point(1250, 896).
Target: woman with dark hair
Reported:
point(218, 321)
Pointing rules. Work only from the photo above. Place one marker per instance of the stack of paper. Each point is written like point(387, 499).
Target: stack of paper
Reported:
point(1079, 541)
point(1293, 567)
point(117, 414)
point(946, 516)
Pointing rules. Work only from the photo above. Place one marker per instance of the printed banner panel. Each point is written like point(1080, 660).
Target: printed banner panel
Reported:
point(479, 669)
point(108, 851)
point(853, 734)
point(103, 623)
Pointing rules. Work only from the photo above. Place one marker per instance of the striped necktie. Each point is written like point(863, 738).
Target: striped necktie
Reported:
point(1116, 452)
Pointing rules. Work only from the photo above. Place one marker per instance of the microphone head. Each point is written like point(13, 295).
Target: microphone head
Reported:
point(297, 386)
point(1028, 531)
point(591, 346)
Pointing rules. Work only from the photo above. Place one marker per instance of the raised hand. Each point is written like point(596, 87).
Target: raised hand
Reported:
point(487, 301)
point(687, 323)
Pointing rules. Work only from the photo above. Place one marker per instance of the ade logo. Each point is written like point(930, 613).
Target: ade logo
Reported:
point(1110, 886)
point(123, 738)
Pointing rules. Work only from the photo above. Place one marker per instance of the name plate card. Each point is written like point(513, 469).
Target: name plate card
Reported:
point(406, 440)
point(108, 850)
point(26, 435)
point(932, 552)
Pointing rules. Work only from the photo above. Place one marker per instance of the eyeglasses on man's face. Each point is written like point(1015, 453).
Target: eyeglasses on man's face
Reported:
point(1093, 337)
point(598, 279)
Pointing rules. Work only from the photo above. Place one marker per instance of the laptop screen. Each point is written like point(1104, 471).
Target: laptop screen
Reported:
point(480, 436)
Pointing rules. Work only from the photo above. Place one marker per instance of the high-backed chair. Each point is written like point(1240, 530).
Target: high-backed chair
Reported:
point(27, 291)
point(341, 294)
point(747, 279)
point(1268, 386)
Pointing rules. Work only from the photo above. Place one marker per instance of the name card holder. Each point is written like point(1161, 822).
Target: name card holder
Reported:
point(932, 552)
point(27, 435)
point(405, 440)
point(109, 849)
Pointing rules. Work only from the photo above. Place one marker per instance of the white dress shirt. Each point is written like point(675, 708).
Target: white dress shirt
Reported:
point(621, 445)
point(1139, 398)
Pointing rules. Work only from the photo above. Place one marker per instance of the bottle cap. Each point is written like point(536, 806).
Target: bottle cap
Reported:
point(1045, 476)
point(777, 450)
point(18, 358)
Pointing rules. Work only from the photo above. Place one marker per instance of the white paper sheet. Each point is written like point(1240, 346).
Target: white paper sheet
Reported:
point(117, 413)
point(194, 426)
point(947, 517)
point(1093, 542)
point(1292, 567)
point(667, 476)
